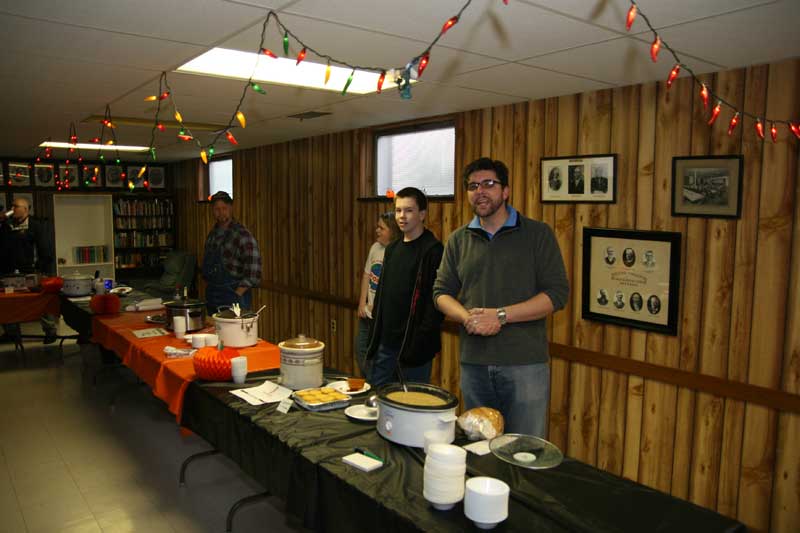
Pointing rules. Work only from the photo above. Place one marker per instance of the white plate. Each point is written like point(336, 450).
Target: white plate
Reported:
point(362, 412)
point(121, 291)
point(341, 386)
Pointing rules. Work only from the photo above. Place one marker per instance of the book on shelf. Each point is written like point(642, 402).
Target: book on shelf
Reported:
point(90, 254)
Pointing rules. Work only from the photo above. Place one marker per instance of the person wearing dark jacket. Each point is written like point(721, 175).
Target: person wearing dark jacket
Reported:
point(26, 247)
point(406, 324)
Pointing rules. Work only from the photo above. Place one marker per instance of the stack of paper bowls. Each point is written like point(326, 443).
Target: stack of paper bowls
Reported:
point(445, 469)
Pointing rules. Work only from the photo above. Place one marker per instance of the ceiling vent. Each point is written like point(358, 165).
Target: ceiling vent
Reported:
point(308, 115)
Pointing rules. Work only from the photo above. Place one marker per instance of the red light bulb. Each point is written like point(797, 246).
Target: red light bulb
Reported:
point(267, 52)
point(655, 48)
point(704, 95)
point(380, 81)
point(715, 113)
point(449, 24)
point(301, 56)
point(673, 74)
point(423, 62)
point(164, 95)
point(773, 132)
point(631, 17)
point(759, 128)
point(795, 129)
point(161, 127)
point(231, 138)
point(732, 124)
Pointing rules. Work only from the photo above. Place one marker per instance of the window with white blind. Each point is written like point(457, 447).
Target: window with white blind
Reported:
point(423, 157)
point(220, 176)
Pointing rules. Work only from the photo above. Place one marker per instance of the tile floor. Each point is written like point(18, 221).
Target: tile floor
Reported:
point(68, 462)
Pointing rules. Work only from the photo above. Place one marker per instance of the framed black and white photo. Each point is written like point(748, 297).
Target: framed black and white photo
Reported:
point(588, 178)
point(631, 278)
point(155, 175)
point(133, 176)
point(44, 174)
point(92, 175)
point(707, 186)
point(115, 176)
point(19, 174)
point(69, 173)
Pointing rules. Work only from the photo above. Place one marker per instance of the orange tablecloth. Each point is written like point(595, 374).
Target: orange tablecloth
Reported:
point(27, 306)
point(168, 378)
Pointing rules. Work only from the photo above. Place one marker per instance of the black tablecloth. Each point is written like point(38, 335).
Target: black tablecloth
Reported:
point(78, 315)
point(297, 456)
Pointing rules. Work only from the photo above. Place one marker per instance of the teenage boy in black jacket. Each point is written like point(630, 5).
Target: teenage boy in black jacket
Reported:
point(406, 324)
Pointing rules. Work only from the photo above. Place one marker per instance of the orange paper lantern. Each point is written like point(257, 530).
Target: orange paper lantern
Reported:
point(212, 364)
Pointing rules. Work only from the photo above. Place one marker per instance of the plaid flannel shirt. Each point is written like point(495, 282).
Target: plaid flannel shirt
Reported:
point(239, 251)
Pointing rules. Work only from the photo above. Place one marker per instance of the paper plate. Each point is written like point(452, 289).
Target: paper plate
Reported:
point(361, 413)
point(526, 451)
point(342, 386)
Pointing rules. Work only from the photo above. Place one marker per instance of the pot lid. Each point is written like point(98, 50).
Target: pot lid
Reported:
point(77, 276)
point(301, 342)
point(183, 304)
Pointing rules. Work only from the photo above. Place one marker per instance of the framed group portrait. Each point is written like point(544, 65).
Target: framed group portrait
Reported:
point(707, 186)
point(632, 278)
point(578, 179)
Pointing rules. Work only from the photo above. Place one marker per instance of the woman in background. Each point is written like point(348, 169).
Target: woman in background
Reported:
point(385, 232)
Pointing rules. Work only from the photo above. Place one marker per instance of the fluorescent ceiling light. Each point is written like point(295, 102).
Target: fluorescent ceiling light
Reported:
point(224, 63)
point(93, 146)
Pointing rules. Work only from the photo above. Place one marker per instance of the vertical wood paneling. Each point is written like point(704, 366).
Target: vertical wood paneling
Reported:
point(738, 314)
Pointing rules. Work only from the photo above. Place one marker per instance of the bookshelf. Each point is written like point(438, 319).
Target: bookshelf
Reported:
point(84, 234)
point(144, 231)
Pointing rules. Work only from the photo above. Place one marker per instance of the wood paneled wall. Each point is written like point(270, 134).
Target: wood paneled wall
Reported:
point(740, 282)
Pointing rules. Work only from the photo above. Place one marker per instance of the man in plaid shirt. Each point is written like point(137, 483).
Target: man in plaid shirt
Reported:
point(232, 262)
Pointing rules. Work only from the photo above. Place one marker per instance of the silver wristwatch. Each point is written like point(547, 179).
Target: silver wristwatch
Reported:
point(501, 316)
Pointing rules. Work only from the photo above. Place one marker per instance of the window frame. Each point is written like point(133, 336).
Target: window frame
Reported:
point(204, 177)
point(416, 127)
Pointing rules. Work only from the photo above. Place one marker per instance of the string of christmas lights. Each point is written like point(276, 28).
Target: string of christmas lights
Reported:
point(705, 93)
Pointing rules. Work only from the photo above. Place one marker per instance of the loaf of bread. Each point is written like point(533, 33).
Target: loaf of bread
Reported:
point(481, 423)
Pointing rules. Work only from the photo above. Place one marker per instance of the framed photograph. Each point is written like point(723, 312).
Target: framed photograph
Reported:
point(707, 186)
point(19, 174)
point(631, 278)
point(587, 178)
point(133, 176)
point(155, 175)
point(69, 172)
point(28, 196)
point(44, 174)
point(92, 175)
point(114, 176)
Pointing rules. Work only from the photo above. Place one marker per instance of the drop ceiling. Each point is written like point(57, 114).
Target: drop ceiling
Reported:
point(63, 62)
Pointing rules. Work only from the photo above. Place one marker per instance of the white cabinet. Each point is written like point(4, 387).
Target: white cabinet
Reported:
point(84, 232)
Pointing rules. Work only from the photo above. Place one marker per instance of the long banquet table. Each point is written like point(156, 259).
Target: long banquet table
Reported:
point(297, 456)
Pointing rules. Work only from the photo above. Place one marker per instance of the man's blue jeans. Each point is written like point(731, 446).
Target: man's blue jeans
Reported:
point(520, 392)
point(384, 368)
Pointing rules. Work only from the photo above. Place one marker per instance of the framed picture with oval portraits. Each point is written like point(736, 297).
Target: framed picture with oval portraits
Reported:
point(631, 278)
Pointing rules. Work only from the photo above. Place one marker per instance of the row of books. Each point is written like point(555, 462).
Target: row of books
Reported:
point(147, 222)
point(90, 254)
point(137, 239)
point(137, 260)
point(155, 207)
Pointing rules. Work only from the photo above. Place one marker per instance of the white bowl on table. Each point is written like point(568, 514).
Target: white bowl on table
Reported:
point(486, 501)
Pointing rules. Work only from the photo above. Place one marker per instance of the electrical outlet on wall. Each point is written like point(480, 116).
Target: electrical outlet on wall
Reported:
point(333, 325)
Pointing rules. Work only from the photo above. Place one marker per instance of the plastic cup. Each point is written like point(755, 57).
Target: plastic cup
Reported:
point(179, 326)
point(239, 369)
point(212, 339)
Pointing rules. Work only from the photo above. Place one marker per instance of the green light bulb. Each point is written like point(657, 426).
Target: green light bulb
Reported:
point(286, 43)
point(257, 88)
point(349, 81)
point(210, 150)
point(118, 160)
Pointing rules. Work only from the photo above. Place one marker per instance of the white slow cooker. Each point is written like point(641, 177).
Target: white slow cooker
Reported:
point(77, 284)
point(237, 332)
point(406, 424)
point(301, 362)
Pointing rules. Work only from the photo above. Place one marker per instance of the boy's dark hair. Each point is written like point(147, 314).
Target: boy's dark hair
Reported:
point(484, 163)
point(416, 194)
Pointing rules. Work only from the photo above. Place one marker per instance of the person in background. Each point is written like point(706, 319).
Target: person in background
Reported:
point(26, 247)
point(501, 276)
point(231, 259)
point(386, 231)
point(405, 329)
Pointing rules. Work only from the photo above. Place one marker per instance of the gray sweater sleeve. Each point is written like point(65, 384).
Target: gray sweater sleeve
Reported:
point(447, 281)
point(550, 268)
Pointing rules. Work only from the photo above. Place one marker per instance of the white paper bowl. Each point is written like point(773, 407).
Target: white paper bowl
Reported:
point(486, 501)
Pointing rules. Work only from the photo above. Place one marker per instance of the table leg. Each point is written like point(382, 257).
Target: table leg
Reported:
point(241, 503)
point(185, 465)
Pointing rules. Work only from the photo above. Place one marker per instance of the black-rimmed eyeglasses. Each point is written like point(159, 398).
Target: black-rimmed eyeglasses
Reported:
point(483, 184)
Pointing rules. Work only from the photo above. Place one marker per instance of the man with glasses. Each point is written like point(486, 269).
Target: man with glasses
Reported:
point(501, 276)
point(25, 247)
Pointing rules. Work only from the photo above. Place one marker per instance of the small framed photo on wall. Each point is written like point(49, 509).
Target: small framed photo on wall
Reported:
point(631, 278)
point(155, 175)
point(579, 179)
point(44, 174)
point(115, 176)
point(92, 175)
point(69, 173)
point(19, 174)
point(707, 186)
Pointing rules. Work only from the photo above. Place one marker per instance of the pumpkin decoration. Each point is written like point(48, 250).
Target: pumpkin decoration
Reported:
point(51, 285)
point(213, 363)
point(105, 304)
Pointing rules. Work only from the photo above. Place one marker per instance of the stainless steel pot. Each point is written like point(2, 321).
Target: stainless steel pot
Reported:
point(193, 310)
point(406, 424)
